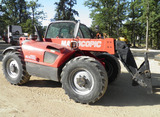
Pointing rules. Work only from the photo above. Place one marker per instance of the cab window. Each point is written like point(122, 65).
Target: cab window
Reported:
point(61, 30)
point(85, 31)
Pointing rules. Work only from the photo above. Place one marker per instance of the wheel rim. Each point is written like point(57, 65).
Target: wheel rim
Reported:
point(81, 81)
point(12, 68)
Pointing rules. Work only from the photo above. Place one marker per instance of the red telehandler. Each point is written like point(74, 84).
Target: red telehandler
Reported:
point(69, 54)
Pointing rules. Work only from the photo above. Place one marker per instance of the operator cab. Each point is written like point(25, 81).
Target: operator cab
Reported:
point(66, 30)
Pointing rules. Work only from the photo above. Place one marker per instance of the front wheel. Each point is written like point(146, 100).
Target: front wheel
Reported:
point(84, 79)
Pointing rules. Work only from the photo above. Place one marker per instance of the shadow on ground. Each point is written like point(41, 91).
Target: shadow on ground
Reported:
point(121, 93)
point(42, 83)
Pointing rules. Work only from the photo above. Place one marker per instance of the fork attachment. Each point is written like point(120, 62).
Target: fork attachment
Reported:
point(140, 76)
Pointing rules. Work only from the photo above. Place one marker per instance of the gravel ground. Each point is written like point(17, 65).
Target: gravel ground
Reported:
point(43, 98)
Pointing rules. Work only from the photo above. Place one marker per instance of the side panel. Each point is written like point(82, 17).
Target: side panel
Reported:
point(36, 52)
point(42, 71)
point(101, 45)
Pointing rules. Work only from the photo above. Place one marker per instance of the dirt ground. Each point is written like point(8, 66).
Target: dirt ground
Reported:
point(44, 98)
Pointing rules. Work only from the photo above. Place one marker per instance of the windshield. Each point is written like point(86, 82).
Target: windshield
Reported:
point(66, 30)
point(61, 30)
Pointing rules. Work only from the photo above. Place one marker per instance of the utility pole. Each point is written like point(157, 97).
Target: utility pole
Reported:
point(147, 27)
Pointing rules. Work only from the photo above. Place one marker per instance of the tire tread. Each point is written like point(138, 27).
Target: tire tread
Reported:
point(25, 76)
point(100, 69)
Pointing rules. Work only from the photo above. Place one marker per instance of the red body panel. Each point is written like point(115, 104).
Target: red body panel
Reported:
point(100, 45)
point(34, 52)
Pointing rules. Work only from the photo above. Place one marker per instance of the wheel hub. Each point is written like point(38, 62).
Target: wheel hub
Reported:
point(13, 68)
point(82, 82)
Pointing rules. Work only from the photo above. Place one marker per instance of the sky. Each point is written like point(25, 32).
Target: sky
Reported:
point(49, 9)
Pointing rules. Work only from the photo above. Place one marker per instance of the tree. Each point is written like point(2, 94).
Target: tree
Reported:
point(14, 12)
point(153, 22)
point(115, 19)
point(108, 14)
point(100, 16)
point(10, 11)
point(134, 12)
point(70, 11)
point(20, 12)
point(22, 8)
point(1, 21)
point(60, 10)
point(35, 15)
point(150, 20)
point(33, 5)
point(64, 10)
point(121, 6)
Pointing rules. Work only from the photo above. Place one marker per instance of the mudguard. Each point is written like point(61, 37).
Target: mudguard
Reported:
point(12, 48)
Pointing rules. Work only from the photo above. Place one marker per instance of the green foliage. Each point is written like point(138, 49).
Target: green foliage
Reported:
point(64, 10)
point(127, 18)
point(148, 10)
point(20, 12)
point(108, 14)
point(27, 26)
point(35, 14)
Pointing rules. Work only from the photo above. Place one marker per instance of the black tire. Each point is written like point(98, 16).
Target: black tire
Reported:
point(112, 66)
point(14, 68)
point(84, 79)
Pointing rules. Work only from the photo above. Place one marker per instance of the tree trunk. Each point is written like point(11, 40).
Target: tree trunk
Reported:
point(133, 25)
point(118, 18)
point(70, 9)
point(33, 16)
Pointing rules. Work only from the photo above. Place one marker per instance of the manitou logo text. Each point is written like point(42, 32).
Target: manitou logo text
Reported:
point(96, 44)
point(30, 57)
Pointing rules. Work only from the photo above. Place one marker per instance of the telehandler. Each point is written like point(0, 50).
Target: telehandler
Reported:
point(69, 54)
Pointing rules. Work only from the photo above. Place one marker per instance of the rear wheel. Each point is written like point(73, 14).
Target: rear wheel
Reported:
point(14, 68)
point(112, 66)
point(84, 79)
